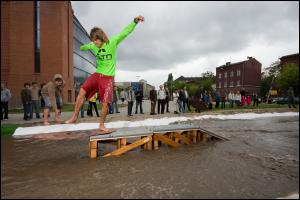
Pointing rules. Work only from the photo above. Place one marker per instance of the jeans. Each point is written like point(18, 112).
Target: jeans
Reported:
point(153, 104)
point(130, 105)
point(115, 106)
point(181, 108)
point(91, 104)
point(35, 104)
point(161, 106)
point(27, 109)
point(4, 106)
point(137, 106)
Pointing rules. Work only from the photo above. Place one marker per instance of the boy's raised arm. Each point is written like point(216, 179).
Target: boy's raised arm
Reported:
point(86, 47)
point(128, 29)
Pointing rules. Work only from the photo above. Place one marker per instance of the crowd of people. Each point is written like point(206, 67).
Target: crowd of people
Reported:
point(49, 95)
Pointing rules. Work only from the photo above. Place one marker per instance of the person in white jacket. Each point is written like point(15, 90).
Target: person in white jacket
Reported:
point(238, 98)
point(161, 99)
point(175, 101)
point(130, 99)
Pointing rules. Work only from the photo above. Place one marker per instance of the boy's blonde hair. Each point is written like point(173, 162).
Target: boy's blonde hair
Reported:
point(98, 33)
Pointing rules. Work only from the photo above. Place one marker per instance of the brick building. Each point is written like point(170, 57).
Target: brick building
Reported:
point(290, 59)
point(236, 76)
point(37, 41)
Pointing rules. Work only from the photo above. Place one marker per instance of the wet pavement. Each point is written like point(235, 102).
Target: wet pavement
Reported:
point(260, 160)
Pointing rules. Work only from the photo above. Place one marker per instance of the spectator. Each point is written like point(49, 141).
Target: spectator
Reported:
point(153, 99)
point(223, 99)
point(123, 95)
point(238, 98)
point(26, 100)
point(49, 92)
point(186, 99)
point(181, 98)
point(231, 98)
point(176, 102)
point(218, 99)
point(210, 101)
point(248, 100)
point(167, 99)
point(115, 100)
point(5, 97)
point(291, 97)
point(92, 102)
point(161, 96)
point(255, 99)
point(130, 100)
point(139, 100)
point(35, 99)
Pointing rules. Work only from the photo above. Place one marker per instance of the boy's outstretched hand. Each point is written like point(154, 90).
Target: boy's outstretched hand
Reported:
point(139, 19)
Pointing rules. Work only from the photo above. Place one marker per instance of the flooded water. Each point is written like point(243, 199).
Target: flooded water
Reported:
point(260, 160)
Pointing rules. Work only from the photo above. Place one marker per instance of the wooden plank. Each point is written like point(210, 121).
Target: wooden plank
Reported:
point(194, 134)
point(124, 149)
point(155, 144)
point(183, 138)
point(166, 140)
point(123, 142)
point(93, 148)
point(118, 143)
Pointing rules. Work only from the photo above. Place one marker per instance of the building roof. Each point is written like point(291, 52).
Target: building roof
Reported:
point(228, 64)
point(182, 78)
point(291, 55)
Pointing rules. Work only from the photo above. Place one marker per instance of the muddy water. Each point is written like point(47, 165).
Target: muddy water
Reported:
point(261, 160)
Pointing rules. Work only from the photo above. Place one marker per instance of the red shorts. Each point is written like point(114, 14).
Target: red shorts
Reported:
point(101, 84)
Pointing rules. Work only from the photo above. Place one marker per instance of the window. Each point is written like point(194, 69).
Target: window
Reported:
point(37, 64)
point(219, 84)
point(220, 75)
point(225, 84)
point(238, 72)
point(231, 74)
point(225, 75)
point(231, 84)
point(238, 83)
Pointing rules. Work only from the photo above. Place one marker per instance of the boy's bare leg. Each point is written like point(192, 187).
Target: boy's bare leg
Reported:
point(46, 112)
point(104, 112)
point(78, 104)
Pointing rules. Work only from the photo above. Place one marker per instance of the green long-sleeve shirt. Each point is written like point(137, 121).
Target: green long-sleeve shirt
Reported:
point(106, 55)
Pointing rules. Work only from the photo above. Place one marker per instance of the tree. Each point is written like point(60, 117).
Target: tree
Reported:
point(170, 77)
point(265, 84)
point(289, 77)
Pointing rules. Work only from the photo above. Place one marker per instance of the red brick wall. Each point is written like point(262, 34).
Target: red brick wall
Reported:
point(250, 76)
point(18, 40)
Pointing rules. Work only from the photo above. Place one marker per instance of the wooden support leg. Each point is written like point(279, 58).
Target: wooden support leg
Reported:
point(93, 148)
point(166, 140)
point(118, 143)
point(155, 144)
point(205, 137)
point(123, 142)
point(183, 138)
point(124, 149)
point(194, 133)
point(149, 145)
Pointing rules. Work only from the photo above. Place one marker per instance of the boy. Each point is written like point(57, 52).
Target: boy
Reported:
point(49, 92)
point(102, 81)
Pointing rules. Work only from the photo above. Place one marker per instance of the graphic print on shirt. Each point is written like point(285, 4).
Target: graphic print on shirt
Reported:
point(103, 57)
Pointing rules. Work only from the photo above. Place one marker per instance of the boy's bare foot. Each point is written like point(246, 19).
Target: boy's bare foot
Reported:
point(46, 123)
point(71, 121)
point(104, 130)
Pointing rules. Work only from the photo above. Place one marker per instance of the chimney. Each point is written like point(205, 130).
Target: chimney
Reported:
point(228, 63)
point(249, 57)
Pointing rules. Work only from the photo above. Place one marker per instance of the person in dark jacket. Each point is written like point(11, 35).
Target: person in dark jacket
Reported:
point(181, 100)
point(139, 100)
point(153, 99)
point(26, 100)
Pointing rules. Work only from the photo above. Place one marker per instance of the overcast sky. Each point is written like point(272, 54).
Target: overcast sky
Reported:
point(189, 38)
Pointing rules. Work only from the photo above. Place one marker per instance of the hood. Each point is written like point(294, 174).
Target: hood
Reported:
point(58, 76)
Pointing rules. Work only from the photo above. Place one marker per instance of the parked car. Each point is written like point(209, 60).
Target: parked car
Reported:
point(285, 100)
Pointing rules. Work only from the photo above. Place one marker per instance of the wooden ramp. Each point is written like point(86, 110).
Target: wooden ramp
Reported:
point(151, 138)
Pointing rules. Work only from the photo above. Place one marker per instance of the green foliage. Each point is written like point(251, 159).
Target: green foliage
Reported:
point(288, 77)
point(265, 85)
